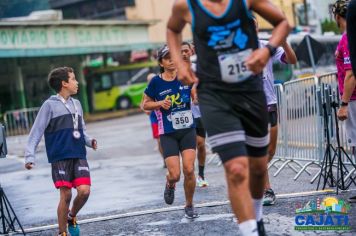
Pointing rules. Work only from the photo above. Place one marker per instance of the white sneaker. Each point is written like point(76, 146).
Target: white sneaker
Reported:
point(201, 182)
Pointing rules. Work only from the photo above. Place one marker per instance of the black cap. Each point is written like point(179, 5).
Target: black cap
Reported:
point(162, 52)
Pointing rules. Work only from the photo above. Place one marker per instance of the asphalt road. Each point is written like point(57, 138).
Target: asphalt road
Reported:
point(127, 190)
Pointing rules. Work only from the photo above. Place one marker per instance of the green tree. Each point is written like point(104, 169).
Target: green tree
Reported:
point(329, 26)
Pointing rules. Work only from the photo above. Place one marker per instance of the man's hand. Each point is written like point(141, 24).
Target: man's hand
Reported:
point(185, 74)
point(166, 103)
point(195, 99)
point(257, 61)
point(29, 165)
point(94, 144)
point(342, 113)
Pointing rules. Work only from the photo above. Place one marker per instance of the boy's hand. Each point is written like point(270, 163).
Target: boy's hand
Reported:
point(94, 144)
point(29, 165)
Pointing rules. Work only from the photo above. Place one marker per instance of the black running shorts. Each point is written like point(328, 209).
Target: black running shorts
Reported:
point(71, 173)
point(199, 128)
point(236, 122)
point(174, 143)
point(272, 114)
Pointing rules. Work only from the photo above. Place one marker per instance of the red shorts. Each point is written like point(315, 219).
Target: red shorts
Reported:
point(70, 173)
point(154, 127)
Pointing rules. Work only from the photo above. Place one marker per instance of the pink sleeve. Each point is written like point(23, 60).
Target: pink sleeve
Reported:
point(346, 53)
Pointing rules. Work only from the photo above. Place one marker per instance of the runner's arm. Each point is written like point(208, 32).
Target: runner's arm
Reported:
point(194, 94)
point(89, 142)
point(141, 106)
point(349, 86)
point(289, 53)
point(178, 19)
point(149, 104)
point(176, 23)
point(41, 122)
point(273, 15)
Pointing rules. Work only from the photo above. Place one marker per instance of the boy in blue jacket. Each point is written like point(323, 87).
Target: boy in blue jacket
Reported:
point(60, 120)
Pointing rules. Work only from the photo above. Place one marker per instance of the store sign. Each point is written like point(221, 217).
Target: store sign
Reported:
point(70, 36)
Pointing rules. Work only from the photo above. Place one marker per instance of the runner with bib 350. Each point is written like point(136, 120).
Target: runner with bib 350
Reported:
point(171, 101)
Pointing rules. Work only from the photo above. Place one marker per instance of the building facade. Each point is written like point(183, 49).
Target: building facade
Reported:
point(29, 50)
point(92, 9)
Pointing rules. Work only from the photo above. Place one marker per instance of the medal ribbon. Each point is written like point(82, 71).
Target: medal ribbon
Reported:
point(75, 116)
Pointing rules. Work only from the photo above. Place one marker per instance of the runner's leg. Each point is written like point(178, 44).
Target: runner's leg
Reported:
point(189, 177)
point(173, 169)
point(170, 147)
point(63, 206)
point(187, 146)
point(271, 150)
point(83, 192)
point(82, 183)
point(201, 155)
point(227, 138)
point(237, 176)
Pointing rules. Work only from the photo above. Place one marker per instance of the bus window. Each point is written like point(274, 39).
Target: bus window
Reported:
point(97, 84)
point(106, 82)
point(139, 75)
point(121, 77)
point(119, 87)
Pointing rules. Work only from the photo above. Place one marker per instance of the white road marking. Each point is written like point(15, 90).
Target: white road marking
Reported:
point(169, 209)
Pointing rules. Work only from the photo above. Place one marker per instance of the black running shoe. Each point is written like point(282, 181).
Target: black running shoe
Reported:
point(169, 194)
point(190, 212)
point(261, 228)
point(352, 199)
point(269, 197)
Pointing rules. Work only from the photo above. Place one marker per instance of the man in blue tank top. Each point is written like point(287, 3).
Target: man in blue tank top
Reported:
point(230, 90)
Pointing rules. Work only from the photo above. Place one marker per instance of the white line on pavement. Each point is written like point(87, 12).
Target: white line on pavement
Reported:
point(168, 209)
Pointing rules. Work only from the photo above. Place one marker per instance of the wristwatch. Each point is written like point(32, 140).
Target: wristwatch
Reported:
point(344, 104)
point(272, 49)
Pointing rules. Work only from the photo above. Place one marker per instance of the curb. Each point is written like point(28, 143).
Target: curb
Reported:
point(94, 117)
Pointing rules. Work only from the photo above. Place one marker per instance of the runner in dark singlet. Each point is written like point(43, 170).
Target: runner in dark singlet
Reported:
point(230, 91)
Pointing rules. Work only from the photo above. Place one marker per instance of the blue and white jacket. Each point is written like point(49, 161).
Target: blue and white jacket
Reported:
point(54, 121)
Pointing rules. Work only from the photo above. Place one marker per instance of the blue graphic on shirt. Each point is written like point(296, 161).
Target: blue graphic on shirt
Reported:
point(217, 37)
point(226, 35)
point(240, 39)
point(179, 95)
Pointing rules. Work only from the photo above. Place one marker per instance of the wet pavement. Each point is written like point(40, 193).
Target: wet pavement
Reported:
point(127, 190)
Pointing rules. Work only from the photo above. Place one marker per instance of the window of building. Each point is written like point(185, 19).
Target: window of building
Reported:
point(86, 10)
point(104, 6)
point(124, 3)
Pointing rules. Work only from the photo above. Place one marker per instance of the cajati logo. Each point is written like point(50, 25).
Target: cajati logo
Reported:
point(326, 214)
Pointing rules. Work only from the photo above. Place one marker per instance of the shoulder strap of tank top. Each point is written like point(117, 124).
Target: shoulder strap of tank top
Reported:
point(192, 5)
